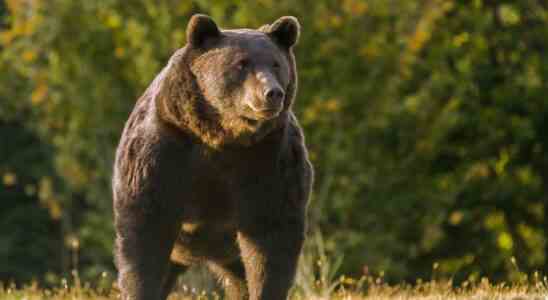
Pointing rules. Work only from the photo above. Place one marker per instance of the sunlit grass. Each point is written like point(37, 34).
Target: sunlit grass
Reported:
point(316, 279)
point(367, 288)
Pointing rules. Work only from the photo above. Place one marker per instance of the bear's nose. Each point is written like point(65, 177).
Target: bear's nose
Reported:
point(274, 95)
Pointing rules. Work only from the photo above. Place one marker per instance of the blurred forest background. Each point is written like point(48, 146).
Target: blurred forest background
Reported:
point(427, 123)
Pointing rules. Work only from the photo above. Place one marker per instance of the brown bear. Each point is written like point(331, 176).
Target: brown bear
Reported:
point(212, 167)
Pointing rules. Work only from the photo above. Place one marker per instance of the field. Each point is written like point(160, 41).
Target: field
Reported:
point(346, 289)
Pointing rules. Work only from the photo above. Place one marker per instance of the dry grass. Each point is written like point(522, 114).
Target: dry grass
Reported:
point(316, 280)
point(346, 289)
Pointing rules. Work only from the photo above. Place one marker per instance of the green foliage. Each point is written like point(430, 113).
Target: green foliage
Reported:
point(425, 121)
point(28, 234)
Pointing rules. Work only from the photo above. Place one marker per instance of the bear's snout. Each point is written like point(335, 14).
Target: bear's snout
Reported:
point(270, 103)
point(274, 96)
point(268, 99)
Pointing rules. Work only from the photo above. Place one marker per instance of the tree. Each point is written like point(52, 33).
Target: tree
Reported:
point(424, 118)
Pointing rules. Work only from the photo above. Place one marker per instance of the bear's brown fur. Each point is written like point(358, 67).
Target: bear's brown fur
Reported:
point(212, 168)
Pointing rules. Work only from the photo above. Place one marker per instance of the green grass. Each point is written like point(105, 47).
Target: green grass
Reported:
point(346, 289)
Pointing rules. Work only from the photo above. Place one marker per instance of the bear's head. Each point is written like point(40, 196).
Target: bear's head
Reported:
point(232, 86)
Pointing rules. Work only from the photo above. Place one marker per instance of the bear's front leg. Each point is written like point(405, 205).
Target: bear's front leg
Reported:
point(143, 245)
point(149, 184)
point(270, 247)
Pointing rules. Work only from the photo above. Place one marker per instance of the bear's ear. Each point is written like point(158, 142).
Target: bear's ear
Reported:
point(201, 28)
point(285, 31)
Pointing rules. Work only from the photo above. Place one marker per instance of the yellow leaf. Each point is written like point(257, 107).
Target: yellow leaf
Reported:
point(500, 165)
point(418, 40)
point(505, 241)
point(310, 115)
point(509, 15)
point(332, 105)
point(456, 217)
point(6, 37)
point(494, 221)
point(28, 55)
point(335, 21)
point(477, 171)
point(369, 51)
point(460, 39)
point(9, 179)
point(113, 21)
point(355, 8)
point(55, 210)
point(45, 190)
point(14, 5)
point(39, 94)
point(119, 52)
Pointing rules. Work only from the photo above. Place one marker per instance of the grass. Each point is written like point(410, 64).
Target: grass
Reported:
point(316, 280)
point(366, 288)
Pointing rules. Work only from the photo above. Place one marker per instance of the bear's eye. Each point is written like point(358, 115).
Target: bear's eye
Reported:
point(242, 64)
point(276, 65)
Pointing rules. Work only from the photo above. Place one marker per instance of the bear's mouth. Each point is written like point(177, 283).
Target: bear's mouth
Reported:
point(269, 112)
point(262, 110)
point(250, 121)
point(257, 117)
point(266, 112)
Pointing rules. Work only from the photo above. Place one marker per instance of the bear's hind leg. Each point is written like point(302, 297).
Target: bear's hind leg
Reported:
point(232, 278)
